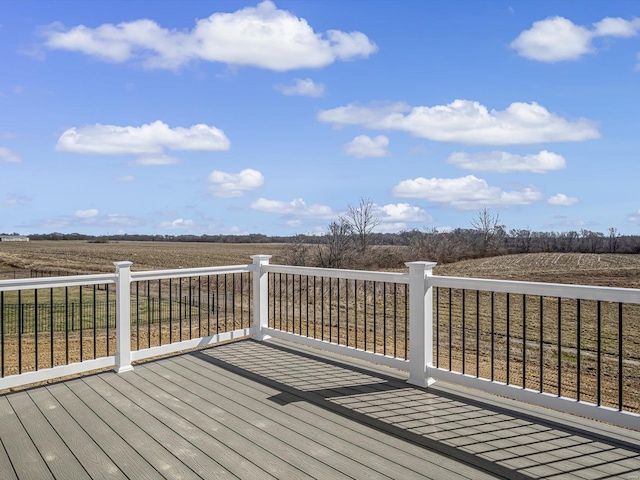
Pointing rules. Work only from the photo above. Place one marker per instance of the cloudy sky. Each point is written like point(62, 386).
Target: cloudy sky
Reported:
point(225, 117)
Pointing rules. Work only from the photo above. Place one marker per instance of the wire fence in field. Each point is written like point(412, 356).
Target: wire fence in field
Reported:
point(74, 316)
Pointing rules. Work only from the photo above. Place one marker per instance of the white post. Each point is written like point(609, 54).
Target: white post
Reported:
point(420, 323)
point(123, 317)
point(260, 296)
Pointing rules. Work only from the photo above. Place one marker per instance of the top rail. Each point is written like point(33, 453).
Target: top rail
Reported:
point(52, 282)
point(583, 292)
point(189, 272)
point(389, 277)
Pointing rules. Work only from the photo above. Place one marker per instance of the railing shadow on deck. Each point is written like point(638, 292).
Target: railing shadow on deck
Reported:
point(503, 441)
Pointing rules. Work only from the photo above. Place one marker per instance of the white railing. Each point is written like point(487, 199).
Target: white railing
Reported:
point(423, 334)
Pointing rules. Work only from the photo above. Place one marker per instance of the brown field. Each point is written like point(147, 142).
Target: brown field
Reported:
point(83, 257)
point(590, 269)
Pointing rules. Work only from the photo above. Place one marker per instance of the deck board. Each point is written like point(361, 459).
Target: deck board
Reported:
point(274, 410)
point(93, 459)
point(60, 460)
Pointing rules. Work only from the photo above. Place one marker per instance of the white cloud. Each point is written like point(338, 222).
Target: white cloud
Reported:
point(7, 135)
point(90, 217)
point(261, 36)
point(562, 199)
point(224, 184)
point(14, 200)
point(465, 193)
point(120, 219)
point(304, 87)
point(9, 156)
point(126, 178)
point(155, 160)
point(556, 39)
point(465, 121)
point(148, 139)
point(364, 146)
point(634, 217)
point(177, 224)
point(295, 208)
point(504, 162)
point(91, 213)
point(403, 212)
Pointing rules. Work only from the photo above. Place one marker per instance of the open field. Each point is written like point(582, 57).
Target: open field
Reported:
point(530, 354)
point(83, 257)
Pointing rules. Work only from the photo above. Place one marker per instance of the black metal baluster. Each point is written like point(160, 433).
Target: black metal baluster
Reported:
point(280, 301)
point(66, 324)
point(346, 311)
point(217, 302)
point(464, 331)
point(437, 327)
point(508, 337)
point(180, 316)
point(299, 303)
point(95, 327)
point(20, 330)
point(307, 303)
point(81, 320)
point(477, 333)
point(286, 303)
point(160, 310)
point(541, 343)
point(384, 318)
point(338, 281)
point(226, 293)
point(450, 330)
point(322, 307)
point(200, 303)
point(35, 329)
point(241, 300)
point(315, 304)
point(599, 353)
point(375, 326)
point(524, 341)
point(620, 357)
point(190, 309)
point(355, 311)
point(406, 321)
point(137, 315)
point(107, 317)
point(148, 316)
point(559, 346)
point(209, 304)
point(578, 341)
point(493, 343)
point(330, 311)
point(50, 326)
point(364, 283)
point(395, 320)
point(170, 310)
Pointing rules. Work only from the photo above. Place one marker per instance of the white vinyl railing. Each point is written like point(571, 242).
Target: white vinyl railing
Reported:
point(435, 328)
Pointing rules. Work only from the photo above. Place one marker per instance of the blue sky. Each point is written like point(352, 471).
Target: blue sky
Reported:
point(231, 117)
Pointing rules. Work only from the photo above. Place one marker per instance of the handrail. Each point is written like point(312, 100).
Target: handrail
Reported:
point(583, 292)
point(52, 282)
point(389, 277)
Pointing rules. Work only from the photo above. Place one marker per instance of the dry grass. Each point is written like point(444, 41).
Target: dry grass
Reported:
point(82, 257)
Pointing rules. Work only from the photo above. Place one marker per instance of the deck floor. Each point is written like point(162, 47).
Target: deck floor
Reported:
point(260, 410)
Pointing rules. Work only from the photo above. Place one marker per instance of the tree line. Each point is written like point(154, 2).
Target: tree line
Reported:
point(350, 241)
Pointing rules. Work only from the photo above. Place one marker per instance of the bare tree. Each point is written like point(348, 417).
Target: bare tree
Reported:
point(614, 240)
point(363, 218)
point(337, 245)
point(487, 224)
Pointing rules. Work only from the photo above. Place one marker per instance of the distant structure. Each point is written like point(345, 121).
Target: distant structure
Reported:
point(13, 238)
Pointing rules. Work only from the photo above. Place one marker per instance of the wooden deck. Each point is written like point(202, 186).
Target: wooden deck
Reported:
point(260, 410)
